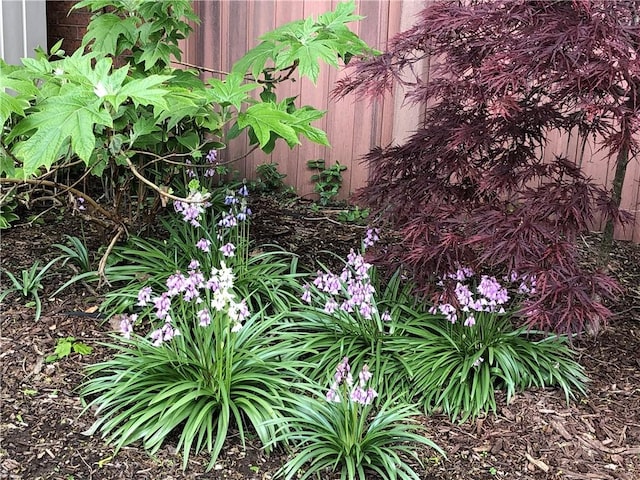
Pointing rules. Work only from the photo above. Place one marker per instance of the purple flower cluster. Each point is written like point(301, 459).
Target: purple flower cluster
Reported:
point(489, 295)
point(211, 158)
point(371, 238)
point(350, 291)
point(190, 288)
point(192, 210)
point(238, 212)
point(526, 283)
point(358, 393)
point(164, 333)
point(204, 245)
point(228, 249)
point(126, 324)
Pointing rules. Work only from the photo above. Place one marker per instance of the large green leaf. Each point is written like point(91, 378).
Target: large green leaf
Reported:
point(265, 118)
point(145, 91)
point(184, 104)
point(304, 116)
point(255, 59)
point(308, 49)
point(72, 116)
point(342, 14)
point(108, 30)
point(231, 91)
point(152, 53)
point(18, 100)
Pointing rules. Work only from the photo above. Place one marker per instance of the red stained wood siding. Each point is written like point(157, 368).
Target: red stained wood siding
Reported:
point(229, 28)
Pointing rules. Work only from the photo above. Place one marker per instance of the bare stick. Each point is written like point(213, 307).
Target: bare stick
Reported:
point(103, 261)
point(165, 158)
point(202, 69)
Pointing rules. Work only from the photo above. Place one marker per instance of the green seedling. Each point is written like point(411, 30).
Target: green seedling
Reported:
point(66, 346)
point(354, 215)
point(29, 284)
point(76, 252)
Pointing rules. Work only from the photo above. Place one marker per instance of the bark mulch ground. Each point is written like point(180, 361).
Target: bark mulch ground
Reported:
point(537, 436)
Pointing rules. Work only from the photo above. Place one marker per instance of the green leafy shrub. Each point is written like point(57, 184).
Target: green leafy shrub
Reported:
point(215, 356)
point(270, 180)
point(452, 356)
point(119, 107)
point(354, 314)
point(199, 374)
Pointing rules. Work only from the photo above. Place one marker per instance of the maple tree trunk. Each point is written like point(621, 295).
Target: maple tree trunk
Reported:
point(622, 160)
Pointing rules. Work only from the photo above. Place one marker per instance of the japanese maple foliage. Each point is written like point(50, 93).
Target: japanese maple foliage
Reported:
point(470, 187)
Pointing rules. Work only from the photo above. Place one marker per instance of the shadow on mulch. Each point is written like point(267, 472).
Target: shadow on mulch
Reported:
point(537, 436)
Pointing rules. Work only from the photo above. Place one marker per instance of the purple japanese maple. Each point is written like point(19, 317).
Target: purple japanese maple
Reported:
point(470, 187)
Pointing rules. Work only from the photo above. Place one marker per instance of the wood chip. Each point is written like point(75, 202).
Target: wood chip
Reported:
point(558, 427)
point(538, 463)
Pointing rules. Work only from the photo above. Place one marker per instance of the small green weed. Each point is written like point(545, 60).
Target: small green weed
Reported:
point(328, 180)
point(29, 284)
point(354, 215)
point(76, 252)
point(8, 204)
point(65, 346)
point(269, 179)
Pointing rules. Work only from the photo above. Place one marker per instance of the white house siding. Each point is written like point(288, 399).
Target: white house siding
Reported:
point(23, 27)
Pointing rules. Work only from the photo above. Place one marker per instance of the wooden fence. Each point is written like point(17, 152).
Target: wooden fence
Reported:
point(230, 28)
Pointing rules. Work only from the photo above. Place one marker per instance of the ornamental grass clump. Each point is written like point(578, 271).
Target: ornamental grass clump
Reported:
point(467, 347)
point(344, 431)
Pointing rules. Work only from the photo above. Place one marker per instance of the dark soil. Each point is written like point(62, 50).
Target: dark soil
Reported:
point(537, 436)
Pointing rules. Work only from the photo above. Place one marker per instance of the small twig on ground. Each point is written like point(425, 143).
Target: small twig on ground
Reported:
point(103, 261)
point(331, 220)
